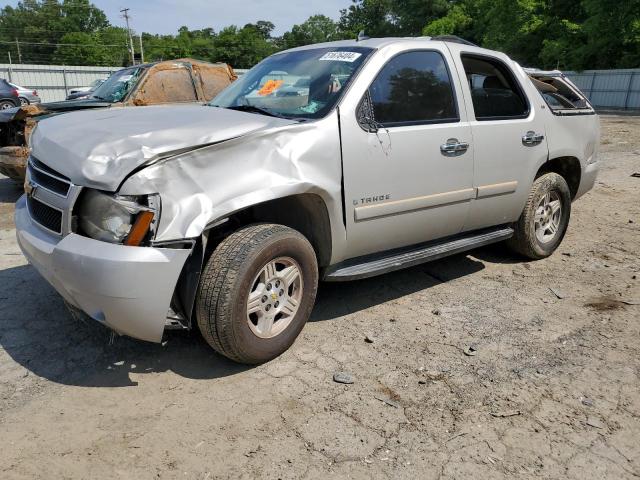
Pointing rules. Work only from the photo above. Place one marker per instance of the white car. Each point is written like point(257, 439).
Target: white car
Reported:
point(226, 216)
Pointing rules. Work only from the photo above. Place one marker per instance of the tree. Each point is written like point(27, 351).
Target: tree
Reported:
point(316, 29)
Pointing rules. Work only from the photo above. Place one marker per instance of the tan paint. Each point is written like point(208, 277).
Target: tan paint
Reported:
point(497, 189)
point(393, 207)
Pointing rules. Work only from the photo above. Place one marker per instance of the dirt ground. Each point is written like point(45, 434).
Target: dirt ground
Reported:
point(553, 390)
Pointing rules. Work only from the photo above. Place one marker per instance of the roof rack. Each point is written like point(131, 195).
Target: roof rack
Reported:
point(453, 39)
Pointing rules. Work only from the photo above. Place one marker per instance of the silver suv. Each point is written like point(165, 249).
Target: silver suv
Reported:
point(332, 162)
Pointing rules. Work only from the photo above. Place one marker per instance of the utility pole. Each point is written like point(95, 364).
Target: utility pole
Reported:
point(19, 54)
point(10, 67)
point(125, 14)
point(141, 50)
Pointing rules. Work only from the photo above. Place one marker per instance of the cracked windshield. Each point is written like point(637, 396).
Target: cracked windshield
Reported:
point(118, 85)
point(300, 84)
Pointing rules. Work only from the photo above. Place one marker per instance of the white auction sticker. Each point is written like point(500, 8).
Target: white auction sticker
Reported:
point(340, 57)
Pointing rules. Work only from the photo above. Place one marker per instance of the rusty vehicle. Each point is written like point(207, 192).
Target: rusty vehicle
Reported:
point(174, 81)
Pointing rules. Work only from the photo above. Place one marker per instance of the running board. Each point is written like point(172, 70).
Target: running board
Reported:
point(372, 265)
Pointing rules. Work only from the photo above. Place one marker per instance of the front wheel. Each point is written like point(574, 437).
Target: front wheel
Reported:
point(545, 218)
point(257, 292)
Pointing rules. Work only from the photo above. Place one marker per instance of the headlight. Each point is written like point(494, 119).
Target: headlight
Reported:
point(115, 218)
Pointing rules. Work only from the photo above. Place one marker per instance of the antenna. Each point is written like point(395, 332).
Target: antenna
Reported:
point(362, 36)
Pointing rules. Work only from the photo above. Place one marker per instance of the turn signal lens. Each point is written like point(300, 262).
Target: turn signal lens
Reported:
point(139, 229)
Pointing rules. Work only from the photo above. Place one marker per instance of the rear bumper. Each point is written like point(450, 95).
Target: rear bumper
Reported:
point(128, 289)
point(589, 175)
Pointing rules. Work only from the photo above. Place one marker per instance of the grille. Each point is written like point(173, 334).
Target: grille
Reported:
point(45, 215)
point(48, 178)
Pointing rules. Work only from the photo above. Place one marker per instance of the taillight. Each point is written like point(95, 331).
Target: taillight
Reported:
point(35, 92)
point(14, 92)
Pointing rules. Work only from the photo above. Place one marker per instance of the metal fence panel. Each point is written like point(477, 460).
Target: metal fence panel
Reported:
point(53, 82)
point(615, 89)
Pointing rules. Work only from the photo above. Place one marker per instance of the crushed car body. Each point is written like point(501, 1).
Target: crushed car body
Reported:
point(175, 81)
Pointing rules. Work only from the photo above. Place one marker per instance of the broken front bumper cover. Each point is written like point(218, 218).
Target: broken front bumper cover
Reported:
point(128, 289)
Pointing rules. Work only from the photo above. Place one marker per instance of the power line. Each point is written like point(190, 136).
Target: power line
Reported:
point(20, 42)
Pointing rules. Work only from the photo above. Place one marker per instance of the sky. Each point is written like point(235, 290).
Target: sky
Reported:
point(166, 16)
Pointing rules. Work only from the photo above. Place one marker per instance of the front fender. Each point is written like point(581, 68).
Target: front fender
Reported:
point(203, 186)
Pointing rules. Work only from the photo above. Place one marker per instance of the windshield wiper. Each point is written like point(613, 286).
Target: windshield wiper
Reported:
point(254, 109)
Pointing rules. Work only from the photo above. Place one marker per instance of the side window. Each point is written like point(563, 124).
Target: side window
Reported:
point(166, 86)
point(495, 92)
point(413, 88)
point(559, 94)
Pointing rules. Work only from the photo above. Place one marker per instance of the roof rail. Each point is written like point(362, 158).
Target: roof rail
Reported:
point(453, 39)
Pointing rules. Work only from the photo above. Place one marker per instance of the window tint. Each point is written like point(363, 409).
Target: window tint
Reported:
point(494, 91)
point(413, 88)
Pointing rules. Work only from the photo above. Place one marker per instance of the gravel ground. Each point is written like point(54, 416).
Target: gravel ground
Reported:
point(552, 389)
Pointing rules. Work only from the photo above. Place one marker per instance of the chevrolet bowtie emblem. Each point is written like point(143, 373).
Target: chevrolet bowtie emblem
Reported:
point(274, 296)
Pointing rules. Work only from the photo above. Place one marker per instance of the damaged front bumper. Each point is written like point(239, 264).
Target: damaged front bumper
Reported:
point(128, 289)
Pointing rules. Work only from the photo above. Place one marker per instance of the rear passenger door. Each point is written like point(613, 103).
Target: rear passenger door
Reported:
point(408, 157)
point(508, 134)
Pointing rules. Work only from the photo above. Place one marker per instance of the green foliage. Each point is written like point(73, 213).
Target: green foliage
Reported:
point(568, 34)
point(316, 29)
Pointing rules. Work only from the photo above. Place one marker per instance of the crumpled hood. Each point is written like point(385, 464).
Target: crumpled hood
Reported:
point(100, 148)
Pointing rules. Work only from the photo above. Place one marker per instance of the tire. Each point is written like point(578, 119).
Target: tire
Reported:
point(540, 228)
point(24, 101)
point(5, 104)
point(243, 267)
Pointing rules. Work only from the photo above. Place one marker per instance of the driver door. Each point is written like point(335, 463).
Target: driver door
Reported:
point(408, 155)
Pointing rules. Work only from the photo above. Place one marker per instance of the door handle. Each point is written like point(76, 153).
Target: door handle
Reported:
point(532, 138)
point(453, 148)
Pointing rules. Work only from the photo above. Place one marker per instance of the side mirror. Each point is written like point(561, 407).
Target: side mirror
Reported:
point(366, 119)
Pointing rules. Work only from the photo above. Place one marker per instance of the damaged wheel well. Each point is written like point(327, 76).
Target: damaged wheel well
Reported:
point(568, 168)
point(306, 213)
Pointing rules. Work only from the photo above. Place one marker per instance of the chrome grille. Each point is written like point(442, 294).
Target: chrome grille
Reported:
point(47, 216)
point(51, 182)
point(50, 197)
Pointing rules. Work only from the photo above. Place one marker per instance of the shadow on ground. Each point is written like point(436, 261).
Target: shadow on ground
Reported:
point(10, 190)
point(38, 333)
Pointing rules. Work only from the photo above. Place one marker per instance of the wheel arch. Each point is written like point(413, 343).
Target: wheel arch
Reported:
point(567, 167)
point(304, 212)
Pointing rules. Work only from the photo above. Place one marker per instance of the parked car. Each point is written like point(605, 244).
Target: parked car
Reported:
point(226, 216)
point(174, 81)
point(8, 95)
point(26, 96)
point(84, 92)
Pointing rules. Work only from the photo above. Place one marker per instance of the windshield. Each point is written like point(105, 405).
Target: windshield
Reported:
point(299, 84)
point(117, 86)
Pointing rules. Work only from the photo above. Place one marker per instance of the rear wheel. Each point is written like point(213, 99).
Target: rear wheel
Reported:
point(545, 218)
point(6, 104)
point(257, 292)
point(24, 101)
